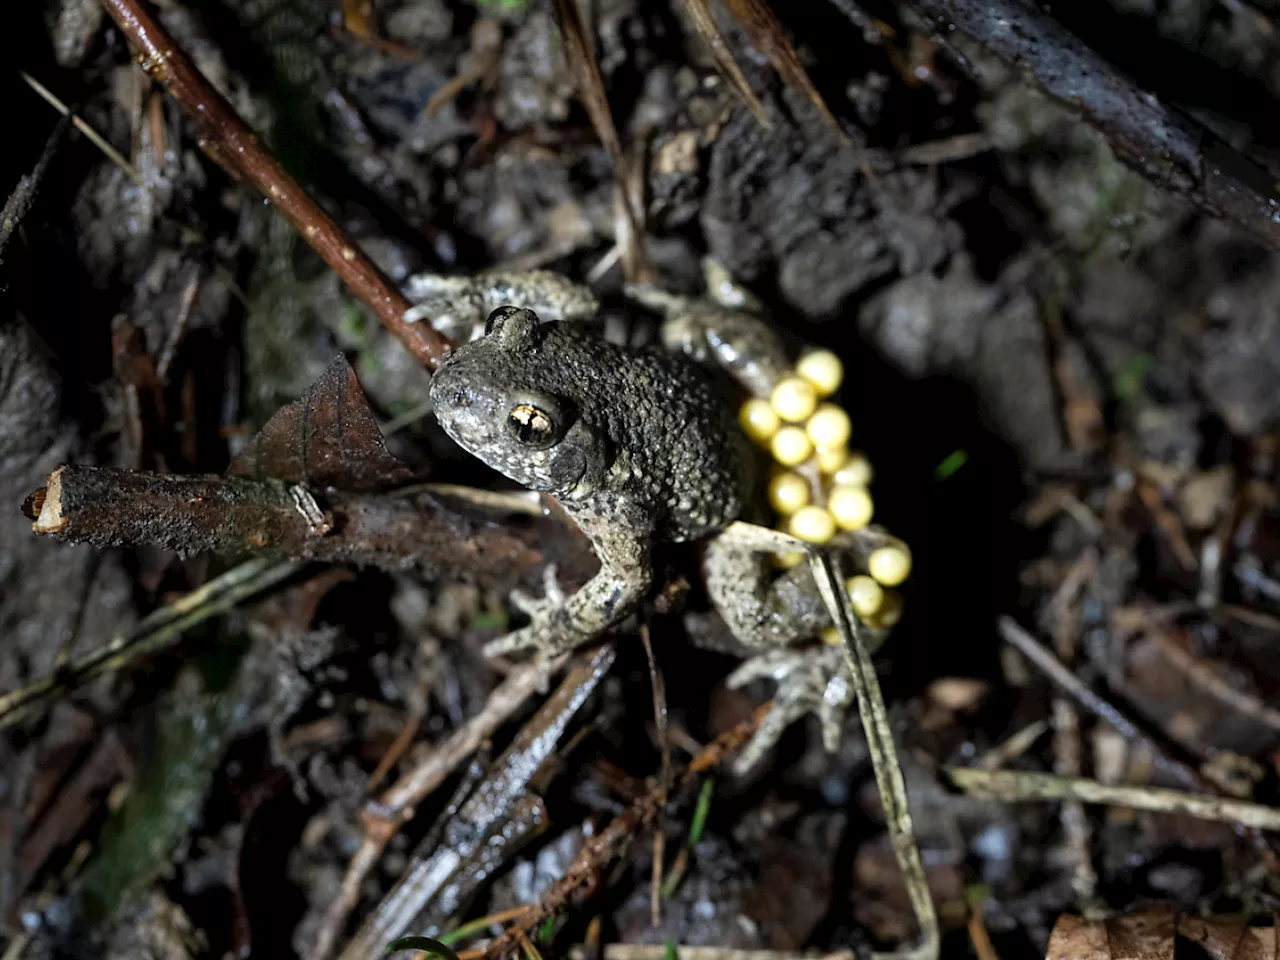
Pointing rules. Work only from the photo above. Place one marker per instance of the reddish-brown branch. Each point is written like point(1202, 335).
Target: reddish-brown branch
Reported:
point(229, 141)
point(584, 873)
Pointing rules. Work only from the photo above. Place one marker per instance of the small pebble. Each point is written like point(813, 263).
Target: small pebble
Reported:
point(958, 693)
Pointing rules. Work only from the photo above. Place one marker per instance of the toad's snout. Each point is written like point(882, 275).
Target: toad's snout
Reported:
point(465, 415)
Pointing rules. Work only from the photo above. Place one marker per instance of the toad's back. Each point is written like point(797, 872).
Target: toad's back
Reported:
point(674, 447)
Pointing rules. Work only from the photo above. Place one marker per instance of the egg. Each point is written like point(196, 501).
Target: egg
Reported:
point(790, 446)
point(813, 524)
point(823, 369)
point(794, 399)
point(850, 506)
point(890, 565)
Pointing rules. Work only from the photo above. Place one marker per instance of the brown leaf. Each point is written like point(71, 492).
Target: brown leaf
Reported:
point(1145, 935)
point(767, 36)
point(1075, 938)
point(1221, 938)
point(725, 62)
point(1154, 934)
point(328, 437)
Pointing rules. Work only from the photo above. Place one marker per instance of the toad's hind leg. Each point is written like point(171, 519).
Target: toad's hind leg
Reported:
point(763, 610)
point(768, 614)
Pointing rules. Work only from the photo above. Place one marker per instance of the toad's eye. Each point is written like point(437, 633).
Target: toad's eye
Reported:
point(499, 317)
point(531, 425)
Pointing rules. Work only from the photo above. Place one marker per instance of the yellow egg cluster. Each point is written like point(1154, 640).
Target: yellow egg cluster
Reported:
point(819, 486)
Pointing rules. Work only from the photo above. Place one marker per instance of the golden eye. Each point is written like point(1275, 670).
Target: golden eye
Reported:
point(531, 425)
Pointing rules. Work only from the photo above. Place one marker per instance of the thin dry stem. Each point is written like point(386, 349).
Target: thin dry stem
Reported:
point(1018, 786)
point(397, 802)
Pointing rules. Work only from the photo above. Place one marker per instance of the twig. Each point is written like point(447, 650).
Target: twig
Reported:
point(658, 951)
point(768, 37)
point(884, 757)
point(493, 817)
point(1018, 744)
point(978, 936)
point(153, 633)
point(24, 192)
point(17, 946)
point(1248, 573)
point(1067, 748)
point(394, 752)
point(179, 328)
point(1016, 786)
point(397, 802)
point(628, 165)
point(239, 515)
point(601, 849)
point(1165, 146)
point(229, 141)
point(1202, 674)
point(92, 135)
point(1168, 523)
point(1052, 667)
point(945, 150)
point(659, 688)
point(705, 24)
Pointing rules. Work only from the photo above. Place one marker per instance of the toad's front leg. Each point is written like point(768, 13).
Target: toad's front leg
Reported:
point(559, 623)
point(458, 306)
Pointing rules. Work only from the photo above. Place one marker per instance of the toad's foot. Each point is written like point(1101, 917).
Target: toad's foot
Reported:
point(553, 596)
point(542, 634)
point(809, 681)
point(559, 623)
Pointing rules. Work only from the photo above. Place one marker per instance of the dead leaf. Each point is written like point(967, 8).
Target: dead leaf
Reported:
point(1205, 496)
point(1155, 933)
point(1145, 935)
point(1075, 938)
point(328, 437)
